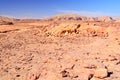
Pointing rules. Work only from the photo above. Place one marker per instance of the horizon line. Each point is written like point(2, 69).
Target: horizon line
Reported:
point(31, 17)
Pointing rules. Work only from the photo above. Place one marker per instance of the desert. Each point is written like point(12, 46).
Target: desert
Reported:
point(61, 47)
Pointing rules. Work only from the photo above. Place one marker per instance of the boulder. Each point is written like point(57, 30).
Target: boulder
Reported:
point(101, 73)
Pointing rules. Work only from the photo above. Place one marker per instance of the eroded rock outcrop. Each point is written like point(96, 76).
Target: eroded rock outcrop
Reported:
point(77, 29)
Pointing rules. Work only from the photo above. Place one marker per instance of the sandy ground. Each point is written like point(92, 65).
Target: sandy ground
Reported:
point(26, 53)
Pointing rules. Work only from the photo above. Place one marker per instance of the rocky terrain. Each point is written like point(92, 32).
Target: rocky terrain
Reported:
point(68, 48)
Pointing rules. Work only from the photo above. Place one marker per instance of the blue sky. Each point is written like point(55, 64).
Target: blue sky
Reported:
point(45, 8)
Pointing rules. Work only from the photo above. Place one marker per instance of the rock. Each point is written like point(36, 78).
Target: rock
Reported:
point(101, 73)
point(67, 29)
point(83, 73)
point(65, 73)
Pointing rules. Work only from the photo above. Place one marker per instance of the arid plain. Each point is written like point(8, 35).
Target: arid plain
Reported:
point(62, 47)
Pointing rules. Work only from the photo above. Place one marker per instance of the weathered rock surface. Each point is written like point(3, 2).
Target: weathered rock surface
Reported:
point(77, 29)
point(101, 73)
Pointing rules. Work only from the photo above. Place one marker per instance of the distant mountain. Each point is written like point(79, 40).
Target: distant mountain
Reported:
point(105, 19)
point(60, 17)
point(79, 18)
point(6, 19)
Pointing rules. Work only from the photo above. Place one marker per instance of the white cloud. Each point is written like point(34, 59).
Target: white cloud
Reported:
point(83, 13)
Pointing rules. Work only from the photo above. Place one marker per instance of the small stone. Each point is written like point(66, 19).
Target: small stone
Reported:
point(65, 73)
point(101, 73)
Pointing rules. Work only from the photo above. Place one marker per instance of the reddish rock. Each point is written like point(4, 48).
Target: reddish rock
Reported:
point(101, 73)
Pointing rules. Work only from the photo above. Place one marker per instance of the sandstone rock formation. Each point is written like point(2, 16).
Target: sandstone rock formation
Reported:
point(101, 73)
point(77, 29)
